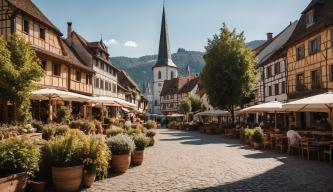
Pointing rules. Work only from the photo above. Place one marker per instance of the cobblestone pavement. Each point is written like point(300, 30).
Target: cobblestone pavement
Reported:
point(190, 161)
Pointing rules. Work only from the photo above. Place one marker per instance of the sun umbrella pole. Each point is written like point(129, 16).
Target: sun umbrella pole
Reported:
point(50, 110)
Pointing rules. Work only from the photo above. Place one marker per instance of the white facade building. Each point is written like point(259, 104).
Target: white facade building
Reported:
point(164, 69)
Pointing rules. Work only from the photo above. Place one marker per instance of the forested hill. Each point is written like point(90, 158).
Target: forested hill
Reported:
point(140, 68)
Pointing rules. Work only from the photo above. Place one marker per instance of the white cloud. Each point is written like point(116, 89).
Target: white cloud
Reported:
point(110, 42)
point(131, 44)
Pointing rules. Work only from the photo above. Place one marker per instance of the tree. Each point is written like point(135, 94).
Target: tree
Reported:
point(195, 103)
point(185, 106)
point(229, 75)
point(19, 69)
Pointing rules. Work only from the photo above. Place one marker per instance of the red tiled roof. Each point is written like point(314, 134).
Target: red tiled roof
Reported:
point(179, 85)
point(28, 7)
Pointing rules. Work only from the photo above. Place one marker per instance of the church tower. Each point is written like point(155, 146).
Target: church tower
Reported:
point(164, 69)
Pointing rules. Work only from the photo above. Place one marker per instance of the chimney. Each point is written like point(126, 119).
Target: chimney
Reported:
point(269, 36)
point(69, 29)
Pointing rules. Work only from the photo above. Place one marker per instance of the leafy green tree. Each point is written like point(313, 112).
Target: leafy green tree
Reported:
point(229, 75)
point(185, 106)
point(195, 103)
point(19, 68)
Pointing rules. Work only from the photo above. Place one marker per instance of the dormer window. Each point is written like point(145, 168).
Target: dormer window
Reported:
point(309, 18)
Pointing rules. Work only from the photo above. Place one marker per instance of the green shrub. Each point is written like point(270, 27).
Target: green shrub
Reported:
point(134, 131)
point(257, 135)
point(114, 131)
point(75, 124)
point(120, 144)
point(18, 155)
point(141, 141)
point(150, 124)
point(67, 150)
point(87, 126)
point(150, 133)
point(96, 155)
point(64, 114)
point(38, 125)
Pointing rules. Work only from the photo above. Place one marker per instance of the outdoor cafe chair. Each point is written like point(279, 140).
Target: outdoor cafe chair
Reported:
point(329, 152)
point(306, 145)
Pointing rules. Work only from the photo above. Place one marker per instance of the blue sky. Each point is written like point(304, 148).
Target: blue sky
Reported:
point(131, 27)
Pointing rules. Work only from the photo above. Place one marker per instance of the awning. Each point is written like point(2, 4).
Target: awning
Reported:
point(318, 103)
point(125, 110)
point(55, 94)
point(270, 107)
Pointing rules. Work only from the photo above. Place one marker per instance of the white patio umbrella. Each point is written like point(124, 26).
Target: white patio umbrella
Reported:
point(55, 94)
point(270, 107)
point(318, 103)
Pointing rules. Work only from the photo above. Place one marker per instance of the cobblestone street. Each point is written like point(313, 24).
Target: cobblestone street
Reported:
point(190, 161)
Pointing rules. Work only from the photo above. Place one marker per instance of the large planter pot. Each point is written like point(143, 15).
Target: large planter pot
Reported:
point(137, 157)
point(152, 141)
point(120, 163)
point(88, 179)
point(38, 186)
point(67, 179)
point(14, 183)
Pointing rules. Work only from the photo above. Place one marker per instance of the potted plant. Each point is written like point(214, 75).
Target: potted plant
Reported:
point(141, 142)
point(114, 131)
point(121, 147)
point(96, 157)
point(19, 159)
point(65, 154)
point(257, 137)
point(150, 124)
point(151, 135)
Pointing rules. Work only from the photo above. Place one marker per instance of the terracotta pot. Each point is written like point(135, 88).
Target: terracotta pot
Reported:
point(120, 163)
point(88, 179)
point(38, 186)
point(137, 157)
point(67, 179)
point(14, 183)
point(152, 141)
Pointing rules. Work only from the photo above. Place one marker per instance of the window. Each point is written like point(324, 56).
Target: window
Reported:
point(102, 65)
point(42, 33)
point(314, 45)
point(159, 75)
point(300, 82)
point(172, 74)
point(277, 68)
point(114, 88)
point(283, 87)
point(106, 85)
point(101, 84)
point(309, 18)
point(96, 83)
point(78, 75)
point(269, 71)
point(26, 26)
point(56, 69)
point(270, 91)
point(88, 79)
point(276, 89)
point(315, 79)
point(44, 63)
point(300, 52)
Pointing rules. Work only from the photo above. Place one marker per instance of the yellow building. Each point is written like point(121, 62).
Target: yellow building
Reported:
point(310, 57)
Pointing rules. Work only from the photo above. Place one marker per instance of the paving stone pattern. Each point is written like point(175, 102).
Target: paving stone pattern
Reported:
point(190, 161)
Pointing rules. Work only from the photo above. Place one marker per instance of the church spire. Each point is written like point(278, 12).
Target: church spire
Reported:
point(164, 53)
